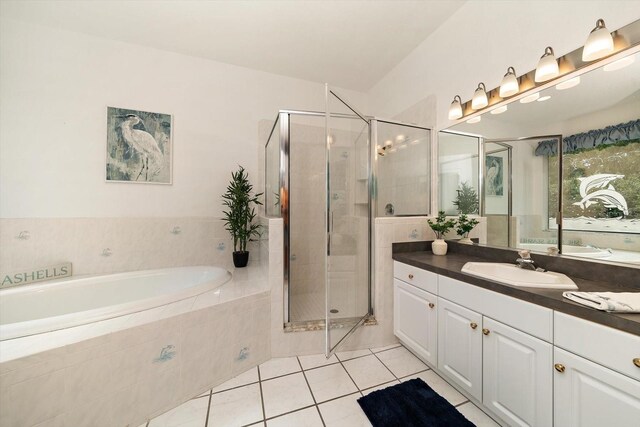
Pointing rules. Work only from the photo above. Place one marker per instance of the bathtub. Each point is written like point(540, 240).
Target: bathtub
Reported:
point(45, 307)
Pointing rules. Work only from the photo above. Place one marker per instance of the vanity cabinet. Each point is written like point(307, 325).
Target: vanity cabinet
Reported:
point(587, 394)
point(415, 319)
point(517, 380)
point(460, 346)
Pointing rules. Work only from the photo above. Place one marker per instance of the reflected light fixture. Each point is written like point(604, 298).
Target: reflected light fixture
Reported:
point(509, 85)
point(388, 143)
point(543, 98)
point(480, 99)
point(620, 63)
point(530, 98)
point(547, 66)
point(568, 84)
point(474, 120)
point(599, 43)
point(500, 110)
point(455, 110)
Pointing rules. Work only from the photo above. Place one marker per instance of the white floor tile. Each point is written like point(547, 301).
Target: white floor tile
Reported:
point(380, 387)
point(346, 355)
point(330, 382)
point(344, 412)
point(316, 360)
point(476, 416)
point(236, 407)
point(192, 413)
point(368, 371)
point(401, 362)
point(305, 418)
point(440, 386)
point(386, 347)
point(285, 394)
point(277, 367)
point(247, 377)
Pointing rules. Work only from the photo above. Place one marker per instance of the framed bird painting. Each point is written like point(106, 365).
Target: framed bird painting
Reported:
point(139, 146)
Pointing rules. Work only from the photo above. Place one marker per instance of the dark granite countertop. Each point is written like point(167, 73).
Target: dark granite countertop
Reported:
point(451, 264)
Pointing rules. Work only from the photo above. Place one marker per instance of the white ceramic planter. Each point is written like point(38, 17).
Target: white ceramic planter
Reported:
point(439, 247)
point(466, 241)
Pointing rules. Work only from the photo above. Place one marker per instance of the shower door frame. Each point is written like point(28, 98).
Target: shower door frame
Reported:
point(284, 122)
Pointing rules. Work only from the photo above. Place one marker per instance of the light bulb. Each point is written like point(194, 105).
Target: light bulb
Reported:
point(530, 98)
point(509, 85)
point(479, 99)
point(599, 43)
point(547, 66)
point(455, 110)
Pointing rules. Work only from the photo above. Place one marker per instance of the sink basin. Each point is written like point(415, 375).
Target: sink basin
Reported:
point(510, 274)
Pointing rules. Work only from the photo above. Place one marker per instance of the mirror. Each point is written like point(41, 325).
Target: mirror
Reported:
point(595, 116)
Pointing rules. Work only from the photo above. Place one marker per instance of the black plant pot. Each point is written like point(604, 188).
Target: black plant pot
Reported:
point(240, 258)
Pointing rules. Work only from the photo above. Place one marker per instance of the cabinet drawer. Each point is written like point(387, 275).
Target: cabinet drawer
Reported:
point(530, 318)
point(423, 279)
point(601, 344)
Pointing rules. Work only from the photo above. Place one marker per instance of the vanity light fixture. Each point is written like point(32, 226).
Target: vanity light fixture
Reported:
point(620, 63)
point(543, 98)
point(547, 67)
point(480, 99)
point(599, 43)
point(474, 120)
point(569, 83)
point(530, 98)
point(455, 110)
point(500, 110)
point(509, 85)
point(388, 143)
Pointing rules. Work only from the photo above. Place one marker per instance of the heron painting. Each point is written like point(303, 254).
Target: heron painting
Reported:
point(139, 146)
point(494, 176)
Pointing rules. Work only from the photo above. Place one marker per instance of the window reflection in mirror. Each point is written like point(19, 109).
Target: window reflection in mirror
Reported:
point(598, 116)
point(402, 160)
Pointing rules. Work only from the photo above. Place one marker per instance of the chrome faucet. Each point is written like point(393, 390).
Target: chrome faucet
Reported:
point(526, 262)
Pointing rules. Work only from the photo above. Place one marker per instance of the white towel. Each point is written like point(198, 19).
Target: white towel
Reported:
point(616, 302)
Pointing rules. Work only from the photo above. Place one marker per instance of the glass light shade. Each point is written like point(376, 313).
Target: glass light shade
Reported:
point(474, 120)
point(620, 63)
point(509, 85)
point(455, 110)
point(569, 83)
point(500, 110)
point(599, 43)
point(547, 66)
point(530, 98)
point(480, 99)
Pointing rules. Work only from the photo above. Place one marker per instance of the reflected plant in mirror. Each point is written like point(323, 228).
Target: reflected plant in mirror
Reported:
point(466, 201)
point(464, 226)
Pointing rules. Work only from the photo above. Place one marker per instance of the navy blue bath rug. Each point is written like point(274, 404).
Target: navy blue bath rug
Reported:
point(411, 404)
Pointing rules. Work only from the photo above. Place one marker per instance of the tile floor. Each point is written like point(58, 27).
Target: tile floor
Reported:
point(311, 391)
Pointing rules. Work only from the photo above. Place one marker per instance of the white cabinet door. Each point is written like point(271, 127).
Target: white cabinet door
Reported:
point(589, 395)
point(415, 320)
point(460, 346)
point(517, 375)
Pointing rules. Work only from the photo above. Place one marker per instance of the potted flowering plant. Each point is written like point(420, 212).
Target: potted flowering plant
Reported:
point(464, 227)
point(441, 226)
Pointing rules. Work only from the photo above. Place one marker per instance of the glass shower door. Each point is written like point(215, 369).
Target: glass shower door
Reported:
point(348, 220)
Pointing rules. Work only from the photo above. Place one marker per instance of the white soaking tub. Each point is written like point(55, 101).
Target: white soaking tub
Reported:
point(44, 307)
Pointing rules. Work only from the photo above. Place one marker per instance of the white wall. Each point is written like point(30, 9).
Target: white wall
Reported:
point(55, 88)
point(480, 41)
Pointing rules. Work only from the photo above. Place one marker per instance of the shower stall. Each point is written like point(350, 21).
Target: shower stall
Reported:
point(319, 179)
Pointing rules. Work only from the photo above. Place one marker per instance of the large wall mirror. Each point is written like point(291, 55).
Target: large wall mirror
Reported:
point(568, 155)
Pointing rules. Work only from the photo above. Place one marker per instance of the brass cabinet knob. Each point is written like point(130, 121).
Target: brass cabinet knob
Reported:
point(473, 325)
point(486, 331)
point(411, 276)
point(559, 367)
point(636, 362)
point(431, 305)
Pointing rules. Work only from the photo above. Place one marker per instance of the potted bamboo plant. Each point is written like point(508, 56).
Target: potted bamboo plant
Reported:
point(464, 227)
point(240, 214)
point(441, 226)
